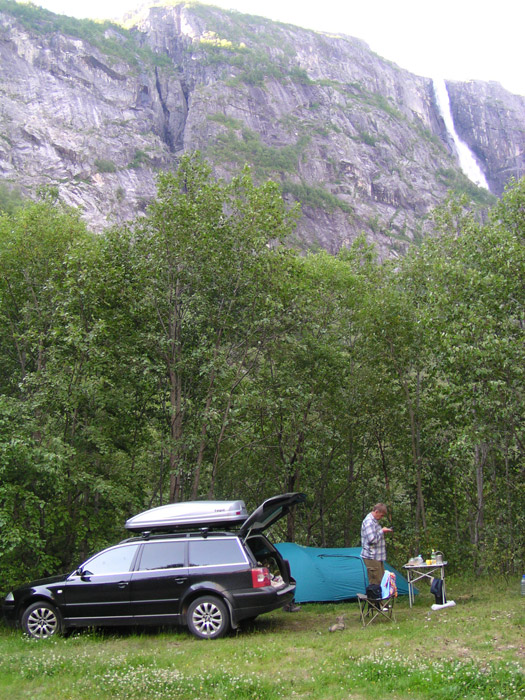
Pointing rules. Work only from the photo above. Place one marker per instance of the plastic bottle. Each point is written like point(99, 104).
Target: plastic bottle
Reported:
point(523, 585)
point(433, 556)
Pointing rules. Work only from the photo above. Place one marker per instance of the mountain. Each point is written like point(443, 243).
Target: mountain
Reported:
point(97, 109)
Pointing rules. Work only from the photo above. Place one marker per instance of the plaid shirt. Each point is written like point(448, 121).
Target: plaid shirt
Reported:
point(372, 539)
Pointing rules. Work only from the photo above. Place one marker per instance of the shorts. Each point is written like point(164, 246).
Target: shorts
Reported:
point(376, 570)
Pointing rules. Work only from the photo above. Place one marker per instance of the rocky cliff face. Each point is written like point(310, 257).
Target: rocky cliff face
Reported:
point(97, 110)
point(492, 123)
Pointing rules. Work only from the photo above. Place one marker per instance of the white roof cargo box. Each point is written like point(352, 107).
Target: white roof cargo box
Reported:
point(190, 514)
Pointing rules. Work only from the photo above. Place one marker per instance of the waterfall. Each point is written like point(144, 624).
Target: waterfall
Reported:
point(467, 161)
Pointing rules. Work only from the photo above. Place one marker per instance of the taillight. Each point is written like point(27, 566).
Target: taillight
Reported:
point(260, 577)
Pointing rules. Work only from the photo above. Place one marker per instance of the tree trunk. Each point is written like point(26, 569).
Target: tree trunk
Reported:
point(480, 458)
point(175, 436)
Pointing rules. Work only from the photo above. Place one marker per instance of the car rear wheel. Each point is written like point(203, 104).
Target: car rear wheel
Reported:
point(41, 620)
point(208, 618)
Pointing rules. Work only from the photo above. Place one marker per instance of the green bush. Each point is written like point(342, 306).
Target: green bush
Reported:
point(459, 184)
point(105, 166)
point(315, 197)
point(250, 149)
point(367, 138)
point(10, 199)
point(140, 159)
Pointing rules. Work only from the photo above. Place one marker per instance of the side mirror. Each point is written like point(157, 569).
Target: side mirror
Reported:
point(82, 573)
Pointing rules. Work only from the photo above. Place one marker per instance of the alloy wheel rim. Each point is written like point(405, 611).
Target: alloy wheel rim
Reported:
point(42, 622)
point(207, 618)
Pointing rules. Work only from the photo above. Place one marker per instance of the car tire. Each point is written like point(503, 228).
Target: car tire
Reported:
point(41, 620)
point(208, 617)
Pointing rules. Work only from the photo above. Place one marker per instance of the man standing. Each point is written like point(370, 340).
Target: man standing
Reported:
point(373, 543)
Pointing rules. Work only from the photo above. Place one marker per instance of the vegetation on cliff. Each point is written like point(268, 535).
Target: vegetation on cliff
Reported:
point(113, 40)
point(357, 141)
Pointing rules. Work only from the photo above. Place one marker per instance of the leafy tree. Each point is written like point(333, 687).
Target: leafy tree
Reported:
point(474, 300)
point(192, 354)
point(207, 248)
point(33, 245)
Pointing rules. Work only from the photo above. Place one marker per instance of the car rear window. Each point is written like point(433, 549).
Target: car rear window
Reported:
point(215, 552)
point(162, 555)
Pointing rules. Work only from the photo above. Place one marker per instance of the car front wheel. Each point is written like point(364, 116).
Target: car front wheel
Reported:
point(41, 620)
point(208, 618)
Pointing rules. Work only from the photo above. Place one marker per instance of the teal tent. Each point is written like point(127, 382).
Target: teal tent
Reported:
point(330, 574)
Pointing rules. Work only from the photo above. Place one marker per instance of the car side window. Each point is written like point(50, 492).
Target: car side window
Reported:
point(162, 555)
point(117, 560)
point(212, 552)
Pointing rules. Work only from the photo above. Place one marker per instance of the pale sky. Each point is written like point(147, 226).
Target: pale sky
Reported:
point(453, 39)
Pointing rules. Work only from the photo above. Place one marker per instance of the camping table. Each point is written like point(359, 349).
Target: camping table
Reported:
point(419, 571)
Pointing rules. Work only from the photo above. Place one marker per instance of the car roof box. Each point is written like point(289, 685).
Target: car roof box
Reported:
point(190, 514)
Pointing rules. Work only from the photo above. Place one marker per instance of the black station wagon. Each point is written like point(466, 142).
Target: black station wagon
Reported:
point(177, 569)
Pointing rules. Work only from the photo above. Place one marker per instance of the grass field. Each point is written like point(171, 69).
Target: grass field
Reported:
point(475, 650)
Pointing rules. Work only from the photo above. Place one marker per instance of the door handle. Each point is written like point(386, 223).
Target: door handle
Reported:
point(181, 579)
point(123, 584)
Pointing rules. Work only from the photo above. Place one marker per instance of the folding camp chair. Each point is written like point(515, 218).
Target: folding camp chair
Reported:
point(370, 609)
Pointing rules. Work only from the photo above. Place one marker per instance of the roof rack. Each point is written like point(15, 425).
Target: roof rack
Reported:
point(178, 534)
